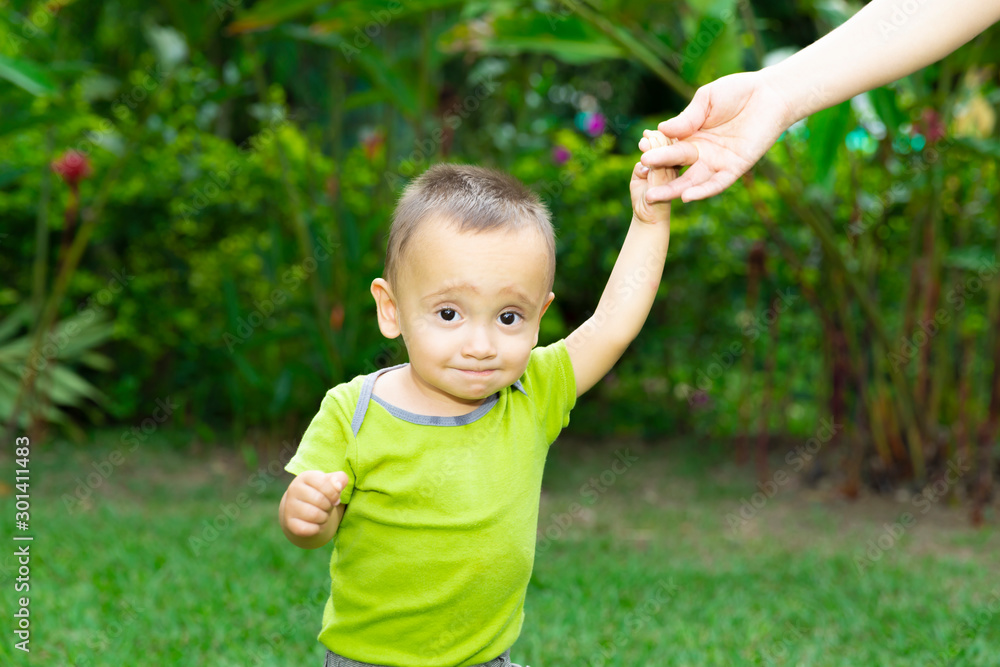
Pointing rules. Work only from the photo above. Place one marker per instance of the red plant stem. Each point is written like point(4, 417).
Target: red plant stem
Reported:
point(72, 213)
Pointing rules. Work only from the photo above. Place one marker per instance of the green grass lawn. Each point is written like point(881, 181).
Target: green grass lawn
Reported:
point(642, 568)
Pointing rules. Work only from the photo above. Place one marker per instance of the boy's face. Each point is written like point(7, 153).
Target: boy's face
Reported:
point(468, 308)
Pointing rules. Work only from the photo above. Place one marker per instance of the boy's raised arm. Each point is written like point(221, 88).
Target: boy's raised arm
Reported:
point(600, 341)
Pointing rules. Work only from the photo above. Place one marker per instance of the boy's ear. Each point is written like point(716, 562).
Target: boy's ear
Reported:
point(548, 300)
point(385, 307)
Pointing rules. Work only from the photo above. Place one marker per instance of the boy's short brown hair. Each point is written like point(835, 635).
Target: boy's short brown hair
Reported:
point(474, 199)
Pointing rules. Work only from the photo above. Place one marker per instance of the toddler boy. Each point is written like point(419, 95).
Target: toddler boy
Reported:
point(427, 475)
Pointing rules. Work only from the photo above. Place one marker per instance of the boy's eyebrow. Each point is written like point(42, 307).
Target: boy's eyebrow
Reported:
point(466, 287)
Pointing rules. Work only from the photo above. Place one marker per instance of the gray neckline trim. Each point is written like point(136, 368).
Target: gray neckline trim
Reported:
point(427, 420)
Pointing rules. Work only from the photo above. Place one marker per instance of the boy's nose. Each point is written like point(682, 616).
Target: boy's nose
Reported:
point(479, 344)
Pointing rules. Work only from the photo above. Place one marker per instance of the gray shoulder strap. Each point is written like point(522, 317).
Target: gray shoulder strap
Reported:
point(366, 394)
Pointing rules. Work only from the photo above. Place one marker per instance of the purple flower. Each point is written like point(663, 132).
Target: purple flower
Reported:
point(595, 124)
point(560, 154)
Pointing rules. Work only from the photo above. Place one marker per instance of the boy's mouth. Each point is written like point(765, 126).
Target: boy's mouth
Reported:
point(482, 373)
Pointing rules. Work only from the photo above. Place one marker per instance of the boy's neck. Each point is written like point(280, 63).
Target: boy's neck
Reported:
point(408, 391)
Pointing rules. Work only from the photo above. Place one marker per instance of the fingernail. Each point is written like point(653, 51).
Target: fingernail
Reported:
point(643, 144)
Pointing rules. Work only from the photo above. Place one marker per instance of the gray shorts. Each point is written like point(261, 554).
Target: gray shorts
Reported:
point(334, 660)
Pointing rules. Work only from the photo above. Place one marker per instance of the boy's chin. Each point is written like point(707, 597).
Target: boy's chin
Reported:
point(480, 393)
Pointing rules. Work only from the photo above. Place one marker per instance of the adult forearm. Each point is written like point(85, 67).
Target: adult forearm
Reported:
point(884, 41)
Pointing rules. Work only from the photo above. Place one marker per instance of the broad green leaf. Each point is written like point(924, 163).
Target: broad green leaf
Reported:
point(364, 98)
point(97, 361)
point(28, 75)
point(67, 388)
point(20, 316)
point(827, 130)
point(85, 337)
point(884, 101)
point(571, 53)
point(568, 38)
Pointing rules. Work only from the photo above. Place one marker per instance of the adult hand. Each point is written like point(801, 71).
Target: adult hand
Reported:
point(728, 126)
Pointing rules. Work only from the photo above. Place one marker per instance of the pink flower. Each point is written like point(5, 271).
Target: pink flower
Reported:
point(560, 154)
point(73, 167)
point(931, 125)
point(595, 124)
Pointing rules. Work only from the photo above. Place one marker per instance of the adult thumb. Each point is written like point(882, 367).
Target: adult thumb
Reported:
point(691, 119)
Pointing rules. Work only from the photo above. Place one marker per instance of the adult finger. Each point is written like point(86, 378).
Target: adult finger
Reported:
point(677, 154)
point(693, 176)
point(691, 119)
point(713, 186)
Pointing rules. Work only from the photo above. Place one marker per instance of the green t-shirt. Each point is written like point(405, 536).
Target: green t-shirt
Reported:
point(431, 562)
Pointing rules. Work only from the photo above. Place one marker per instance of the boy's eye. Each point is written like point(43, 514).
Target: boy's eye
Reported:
point(509, 318)
point(447, 314)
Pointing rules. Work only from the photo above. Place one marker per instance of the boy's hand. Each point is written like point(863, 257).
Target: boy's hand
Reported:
point(644, 178)
point(310, 500)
